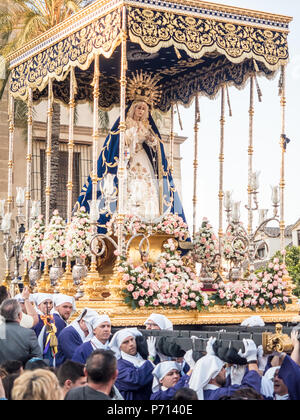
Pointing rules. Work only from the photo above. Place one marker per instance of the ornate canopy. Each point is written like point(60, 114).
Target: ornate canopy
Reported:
point(194, 46)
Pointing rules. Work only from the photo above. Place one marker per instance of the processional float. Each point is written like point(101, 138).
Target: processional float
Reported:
point(191, 49)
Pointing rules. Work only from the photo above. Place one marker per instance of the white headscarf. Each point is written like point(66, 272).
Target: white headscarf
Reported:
point(160, 371)
point(60, 299)
point(99, 319)
point(267, 384)
point(161, 320)
point(88, 315)
point(39, 298)
point(253, 321)
point(207, 368)
point(118, 339)
point(95, 322)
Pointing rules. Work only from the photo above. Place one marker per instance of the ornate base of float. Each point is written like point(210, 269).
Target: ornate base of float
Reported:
point(66, 284)
point(44, 284)
point(101, 290)
point(122, 315)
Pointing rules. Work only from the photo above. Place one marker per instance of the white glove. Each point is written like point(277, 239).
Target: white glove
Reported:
point(250, 353)
point(262, 359)
point(151, 341)
point(209, 346)
point(237, 374)
point(188, 357)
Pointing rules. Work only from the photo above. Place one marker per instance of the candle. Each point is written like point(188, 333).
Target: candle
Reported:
point(275, 195)
point(6, 222)
point(2, 208)
point(228, 200)
point(255, 181)
point(94, 210)
point(236, 212)
point(35, 209)
point(20, 196)
point(262, 216)
point(108, 185)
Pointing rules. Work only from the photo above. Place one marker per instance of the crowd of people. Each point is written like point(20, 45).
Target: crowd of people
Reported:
point(44, 357)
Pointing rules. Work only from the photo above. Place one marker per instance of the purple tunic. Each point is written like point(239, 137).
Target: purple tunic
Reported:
point(251, 379)
point(68, 341)
point(134, 383)
point(290, 374)
point(83, 352)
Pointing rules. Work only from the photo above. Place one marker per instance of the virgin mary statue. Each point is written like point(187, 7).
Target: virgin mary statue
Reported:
point(150, 191)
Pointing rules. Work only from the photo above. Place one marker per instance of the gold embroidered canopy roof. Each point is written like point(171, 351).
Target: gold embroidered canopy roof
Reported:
point(194, 46)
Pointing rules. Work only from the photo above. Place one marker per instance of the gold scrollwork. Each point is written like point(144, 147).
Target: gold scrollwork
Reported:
point(154, 29)
point(101, 36)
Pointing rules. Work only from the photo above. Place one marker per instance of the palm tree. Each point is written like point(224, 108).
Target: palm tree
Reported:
point(20, 22)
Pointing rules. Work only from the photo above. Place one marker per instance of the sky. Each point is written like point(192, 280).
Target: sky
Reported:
point(267, 131)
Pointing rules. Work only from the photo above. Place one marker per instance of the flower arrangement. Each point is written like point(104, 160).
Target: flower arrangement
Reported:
point(79, 235)
point(169, 283)
point(267, 290)
point(205, 246)
point(54, 238)
point(32, 249)
point(172, 224)
point(234, 249)
point(131, 225)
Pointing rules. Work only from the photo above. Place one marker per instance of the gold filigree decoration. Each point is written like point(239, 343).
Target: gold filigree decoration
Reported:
point(101, 37)
point(276, 342)
point(197, 36)
point(142, 86)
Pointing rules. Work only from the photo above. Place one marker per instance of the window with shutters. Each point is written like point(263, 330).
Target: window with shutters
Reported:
point(81, 170)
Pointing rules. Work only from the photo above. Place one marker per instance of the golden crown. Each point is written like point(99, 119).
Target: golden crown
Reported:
point(142, 86)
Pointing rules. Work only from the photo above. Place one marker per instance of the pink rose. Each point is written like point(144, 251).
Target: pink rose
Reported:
point(155, 302)
point(261, 301)
point(130, 287)
point(142, 302)
point(183, 303)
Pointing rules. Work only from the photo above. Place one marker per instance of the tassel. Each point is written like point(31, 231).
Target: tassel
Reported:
point(177, 53)
point(53, 341)
point(50, 87)
point(228, 102)
point(259, 92)
point(198, 116)
point(74, 81)
point(280, 85)
point(256, 68)
point(179, 117)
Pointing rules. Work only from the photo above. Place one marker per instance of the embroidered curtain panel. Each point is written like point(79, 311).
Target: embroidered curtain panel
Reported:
point(195, 47)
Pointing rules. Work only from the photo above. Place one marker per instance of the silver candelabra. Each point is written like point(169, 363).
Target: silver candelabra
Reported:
point(246, 244)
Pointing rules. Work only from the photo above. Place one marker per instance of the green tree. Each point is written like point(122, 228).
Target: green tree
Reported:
point(292, 261)
point(20, 22)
